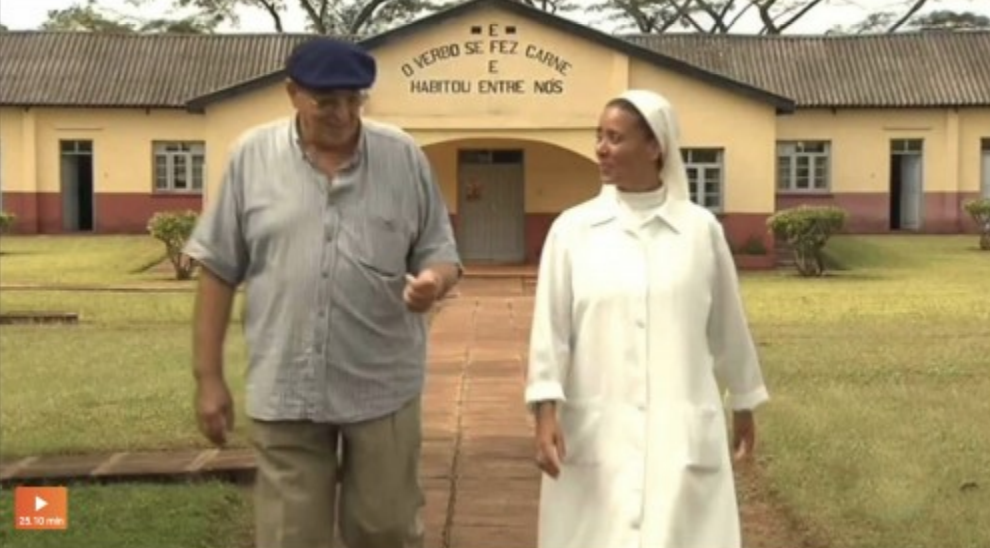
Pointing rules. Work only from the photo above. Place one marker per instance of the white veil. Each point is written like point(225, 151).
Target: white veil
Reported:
point(659, 114)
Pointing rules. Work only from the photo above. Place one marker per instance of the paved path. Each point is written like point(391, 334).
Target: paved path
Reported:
point(485, 487)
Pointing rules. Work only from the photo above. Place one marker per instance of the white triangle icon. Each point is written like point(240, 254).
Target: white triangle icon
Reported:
point(39, 503)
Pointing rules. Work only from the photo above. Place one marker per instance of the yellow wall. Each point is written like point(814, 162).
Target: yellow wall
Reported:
point(555, 178)
point(229, 119)
point(718, 118)
point(16, 173)
point(497, 74)
point(860, 144)
point(587, 76)
point(122, 145)
point(974, 125)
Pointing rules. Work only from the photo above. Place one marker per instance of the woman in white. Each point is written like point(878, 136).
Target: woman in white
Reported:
point(638, 321)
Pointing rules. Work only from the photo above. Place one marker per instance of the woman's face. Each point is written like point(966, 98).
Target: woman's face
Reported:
point(627, 154)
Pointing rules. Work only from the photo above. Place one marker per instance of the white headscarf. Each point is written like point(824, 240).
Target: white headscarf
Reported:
point(660, 116)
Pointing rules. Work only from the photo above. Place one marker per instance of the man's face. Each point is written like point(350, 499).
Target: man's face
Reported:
point(332, 119)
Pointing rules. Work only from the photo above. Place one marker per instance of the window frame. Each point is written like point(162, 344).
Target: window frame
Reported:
point(190, 151)
point(696, 188)
point(813, 157)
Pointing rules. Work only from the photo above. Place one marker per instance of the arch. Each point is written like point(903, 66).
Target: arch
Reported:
point(504, 192)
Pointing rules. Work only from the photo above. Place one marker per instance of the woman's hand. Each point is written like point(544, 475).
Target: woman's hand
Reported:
point(550, 449)
point(743, 434)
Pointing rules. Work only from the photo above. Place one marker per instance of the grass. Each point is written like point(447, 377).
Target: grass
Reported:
point(875, 435)
point(879, 376)
point(120, 380)
point(83, 260)
point(209, 515)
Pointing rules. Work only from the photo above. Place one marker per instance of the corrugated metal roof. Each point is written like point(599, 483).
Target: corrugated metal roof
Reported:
point(115, 70)
point(888, 70)
point(87, 69)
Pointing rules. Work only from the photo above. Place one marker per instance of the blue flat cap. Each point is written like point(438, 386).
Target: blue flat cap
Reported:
point(327, 64)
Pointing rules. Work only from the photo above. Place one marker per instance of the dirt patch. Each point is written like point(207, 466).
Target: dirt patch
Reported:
point(766, 522)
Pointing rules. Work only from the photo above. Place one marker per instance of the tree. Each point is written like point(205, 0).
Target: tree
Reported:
point(890, 21)
point(774, 16)
point(950, 20)
point(335, 17)
point(704, 16)
point(322, 16)
point(89, 17)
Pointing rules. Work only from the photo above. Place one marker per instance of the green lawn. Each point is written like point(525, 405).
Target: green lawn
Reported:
point(879, 378)
point(879, 375)
point(120, 380)
point(83, 260)
point(208, 515)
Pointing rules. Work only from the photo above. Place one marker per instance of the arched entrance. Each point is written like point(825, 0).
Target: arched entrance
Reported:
point(503, 194)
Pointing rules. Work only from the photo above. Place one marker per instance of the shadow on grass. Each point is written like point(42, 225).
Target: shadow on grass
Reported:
point(152, 264)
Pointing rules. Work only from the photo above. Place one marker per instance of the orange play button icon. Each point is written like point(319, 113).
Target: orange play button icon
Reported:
point(41, 508)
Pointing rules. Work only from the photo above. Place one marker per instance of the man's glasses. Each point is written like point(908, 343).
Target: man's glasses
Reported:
point(336, 101)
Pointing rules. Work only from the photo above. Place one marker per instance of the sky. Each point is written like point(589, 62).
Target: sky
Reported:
point(29, 14)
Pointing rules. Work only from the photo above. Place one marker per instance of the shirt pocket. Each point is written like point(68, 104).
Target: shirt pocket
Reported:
point(581, 426)
point(706, 442)
point(383, 246)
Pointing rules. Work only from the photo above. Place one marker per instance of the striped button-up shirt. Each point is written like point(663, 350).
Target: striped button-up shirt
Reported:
point(324, 264)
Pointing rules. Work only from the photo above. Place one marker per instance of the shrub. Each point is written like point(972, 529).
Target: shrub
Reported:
point(6, 221)
point(173, 228)
point(806, 229)
point(752, 246)
point(979, 210)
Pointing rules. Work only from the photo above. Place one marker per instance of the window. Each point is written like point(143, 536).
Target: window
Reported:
point(475, 157)
point(985, 160)
point(179, 167)
point(76, 147)
point(705, 175)
point(803, 166)
point(906, 146)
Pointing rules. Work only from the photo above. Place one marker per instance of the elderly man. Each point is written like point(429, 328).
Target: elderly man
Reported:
point(337, 229)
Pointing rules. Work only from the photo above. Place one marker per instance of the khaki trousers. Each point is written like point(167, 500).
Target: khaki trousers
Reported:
point(379, 500)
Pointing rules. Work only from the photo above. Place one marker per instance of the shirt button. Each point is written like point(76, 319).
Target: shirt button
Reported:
point(640, 323)
point(326, 273)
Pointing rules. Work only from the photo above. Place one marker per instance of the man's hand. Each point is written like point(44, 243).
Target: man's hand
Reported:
point(422, 291)
point(743, 434)
point(214, 409)
point(550, 448)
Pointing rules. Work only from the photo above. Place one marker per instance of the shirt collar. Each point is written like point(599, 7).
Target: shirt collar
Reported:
point(356, 159)
point(605, 209)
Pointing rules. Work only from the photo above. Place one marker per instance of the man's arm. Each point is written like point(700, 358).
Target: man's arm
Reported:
point(211, 316)
point(218, 245)
point(435, 249)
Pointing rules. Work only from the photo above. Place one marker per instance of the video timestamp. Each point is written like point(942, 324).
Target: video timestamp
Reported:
point(40, 521)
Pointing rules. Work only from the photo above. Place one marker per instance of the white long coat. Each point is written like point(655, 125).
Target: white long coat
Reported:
point(632, 335)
